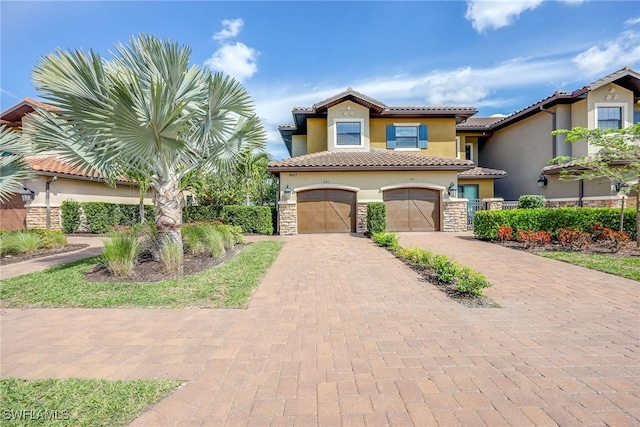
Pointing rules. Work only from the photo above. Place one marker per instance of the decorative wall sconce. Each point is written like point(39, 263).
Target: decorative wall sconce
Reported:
point(27, 194)
point(287, 192)
point(542, 181)
point(452, 190)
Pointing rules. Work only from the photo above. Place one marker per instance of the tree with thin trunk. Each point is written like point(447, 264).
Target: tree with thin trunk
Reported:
point(250, 168)
point(618, 159)
point(13, 169)
point(145, 109)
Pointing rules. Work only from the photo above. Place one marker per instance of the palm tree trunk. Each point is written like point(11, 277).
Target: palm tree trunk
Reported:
point(168, 200)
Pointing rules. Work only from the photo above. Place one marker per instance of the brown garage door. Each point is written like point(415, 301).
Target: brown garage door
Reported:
point(13, 214)
point(326, 211)
point(412, 209)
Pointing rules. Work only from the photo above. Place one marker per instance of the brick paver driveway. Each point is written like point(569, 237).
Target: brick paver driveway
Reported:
point(342, 333)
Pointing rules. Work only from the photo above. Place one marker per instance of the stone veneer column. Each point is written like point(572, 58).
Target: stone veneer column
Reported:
point(37, 217)
point(493, 204)
point(361, 220)
point(287, 218)
point(454, 215)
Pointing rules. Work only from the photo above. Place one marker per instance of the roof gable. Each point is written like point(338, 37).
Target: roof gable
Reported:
point(350, 95)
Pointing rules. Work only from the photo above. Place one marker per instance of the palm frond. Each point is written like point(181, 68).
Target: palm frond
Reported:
point(13, 169)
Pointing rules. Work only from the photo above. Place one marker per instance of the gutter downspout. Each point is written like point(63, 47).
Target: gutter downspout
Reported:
point(48, 200)
point(580, 192)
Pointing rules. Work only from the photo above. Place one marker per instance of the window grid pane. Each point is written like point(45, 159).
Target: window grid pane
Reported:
point(348, 133)
point(610, 118)
point(406, 137)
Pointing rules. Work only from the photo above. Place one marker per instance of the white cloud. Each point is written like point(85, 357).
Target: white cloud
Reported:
point(632, 21)
point(230, 29)
point(496, 14)
point(237, 60)
point(6, 92)
point(623, 51)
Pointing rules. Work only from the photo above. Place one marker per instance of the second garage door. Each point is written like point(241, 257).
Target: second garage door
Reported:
point(326, 211)
point(412, 209)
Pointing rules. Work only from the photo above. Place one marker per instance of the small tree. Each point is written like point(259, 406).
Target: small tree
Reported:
point(13, 169)
point(618, 159)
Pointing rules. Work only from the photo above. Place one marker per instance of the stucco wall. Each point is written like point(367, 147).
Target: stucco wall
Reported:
point(521, 150)
point(485, 186)
point(441, 135)
point(81, 191)
point(316, 135)
point(347, 111)
point(298, 145)
point(369, 183)
point(557, 188)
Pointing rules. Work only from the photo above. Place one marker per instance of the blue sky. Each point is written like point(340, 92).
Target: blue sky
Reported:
point(497, 56)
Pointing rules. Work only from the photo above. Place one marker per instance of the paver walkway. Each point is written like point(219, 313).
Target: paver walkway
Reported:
point(342, 333)
point(38, 264)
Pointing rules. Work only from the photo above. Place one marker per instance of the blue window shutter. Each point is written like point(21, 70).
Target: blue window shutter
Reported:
point(391, 137)
point(422, 137)
point(636, 117)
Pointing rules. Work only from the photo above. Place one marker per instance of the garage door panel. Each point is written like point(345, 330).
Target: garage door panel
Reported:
point(412, 209)
point(326, 211)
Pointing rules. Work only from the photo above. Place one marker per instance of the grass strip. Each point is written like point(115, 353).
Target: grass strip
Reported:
point(628, 267)
point(228, 285)
point(73, 402)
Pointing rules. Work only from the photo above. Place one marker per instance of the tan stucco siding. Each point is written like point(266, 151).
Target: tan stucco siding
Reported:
point(521, 150)
point(298, 145)
point(347, 111)
point(316, 135)
point(557, 188)
point(579, 119)
point(485, 186)
point(82, 191)
point(441, 135)
point(369, 183)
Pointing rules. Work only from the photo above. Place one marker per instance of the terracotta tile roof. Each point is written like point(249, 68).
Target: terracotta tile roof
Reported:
point(479, 122)
point(51, 164)
point(40, 104)
point(368, 160)
point(480, 172)
point(353, 95)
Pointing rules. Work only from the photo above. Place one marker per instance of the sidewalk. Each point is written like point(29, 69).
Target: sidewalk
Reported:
point(42, 263)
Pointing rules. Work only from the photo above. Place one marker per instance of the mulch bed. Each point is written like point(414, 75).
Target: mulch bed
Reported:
point(630, 249)
point(11, 259)
point(148, 270)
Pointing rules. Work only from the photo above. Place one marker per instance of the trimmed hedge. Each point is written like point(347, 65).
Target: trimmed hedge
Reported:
point(100, 217)
point(376, 217)
point(252, 219)
point(201, 213)
point(487, 223)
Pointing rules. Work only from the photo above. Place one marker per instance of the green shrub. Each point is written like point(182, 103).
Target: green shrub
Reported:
point(376, 217)
point(214, 240)
point(236, 232)
point(469, 281)
point(228, 239)
point(171, 257)
point(23, 242)
point(99, 217)
point(70, 212)
point(386, 240)
point(252, 219)
point(530, 202)
point(445, 269)
point(193, 239)
point(121, 251)
point(201, 213)
point(50, 239)
point(487, 223)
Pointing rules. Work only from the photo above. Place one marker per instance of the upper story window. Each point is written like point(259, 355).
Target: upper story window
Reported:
point(406, 136)
point(348, 133)
point(468, 152)
point(609, 118)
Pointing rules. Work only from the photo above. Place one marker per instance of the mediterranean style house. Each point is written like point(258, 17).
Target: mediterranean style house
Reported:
point(54, 182)
point(351, 149)
point(522, 143)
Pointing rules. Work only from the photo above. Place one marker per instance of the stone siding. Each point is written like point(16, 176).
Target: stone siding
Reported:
point(454, 215)
point(288, 218)
point(37, 218)
point(493, 204)
point(361, 221)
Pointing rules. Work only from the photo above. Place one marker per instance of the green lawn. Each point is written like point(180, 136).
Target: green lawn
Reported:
point(74, 402)
point(628, 267)
point(228, 285)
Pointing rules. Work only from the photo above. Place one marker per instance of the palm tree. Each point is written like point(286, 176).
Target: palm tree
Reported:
point(251, 168)
point(13, 169)
point(145, 109)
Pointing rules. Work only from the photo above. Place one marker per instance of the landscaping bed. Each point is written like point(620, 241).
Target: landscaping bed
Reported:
point(11, 259)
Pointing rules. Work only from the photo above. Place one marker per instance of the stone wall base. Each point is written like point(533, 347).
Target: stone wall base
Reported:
point(37, 218)
point(454, 215)
point(361, 220)
point(287, 218)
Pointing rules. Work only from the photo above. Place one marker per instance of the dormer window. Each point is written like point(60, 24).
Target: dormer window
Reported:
point(609, 118)
point(349, 133)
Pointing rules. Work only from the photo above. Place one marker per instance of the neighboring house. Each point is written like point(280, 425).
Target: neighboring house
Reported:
point(55, 181)
point(522, 144)
point(351, 149)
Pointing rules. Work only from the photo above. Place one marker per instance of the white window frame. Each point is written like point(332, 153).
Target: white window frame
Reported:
point(457, 147)
point(415, 125)
point(347, 120)
point(623, 112)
